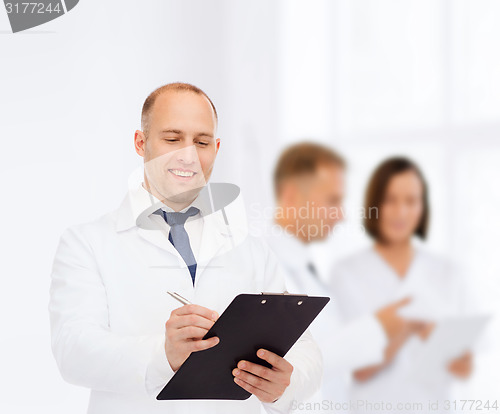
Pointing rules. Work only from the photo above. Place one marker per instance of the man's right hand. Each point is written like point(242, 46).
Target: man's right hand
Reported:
point(184, 331)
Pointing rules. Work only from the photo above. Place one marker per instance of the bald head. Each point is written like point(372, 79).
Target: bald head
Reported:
point(178, 87)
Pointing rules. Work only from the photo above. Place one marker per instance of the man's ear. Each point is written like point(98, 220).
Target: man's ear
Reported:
point(140, 142)
point(217, 145)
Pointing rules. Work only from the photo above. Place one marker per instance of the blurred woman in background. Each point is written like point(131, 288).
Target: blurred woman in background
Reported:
point(395, 267)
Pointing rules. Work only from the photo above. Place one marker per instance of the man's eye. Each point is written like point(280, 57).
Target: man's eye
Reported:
point(203, 144)
point(171, 139)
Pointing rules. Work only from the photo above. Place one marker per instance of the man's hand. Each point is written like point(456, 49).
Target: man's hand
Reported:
point(184, 330)
point(461, 367)
point(267, 384)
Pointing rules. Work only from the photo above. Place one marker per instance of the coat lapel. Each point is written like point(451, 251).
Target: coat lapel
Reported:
point(216, 237)
point(168, 256)
point(215, 240)
point(165, 254)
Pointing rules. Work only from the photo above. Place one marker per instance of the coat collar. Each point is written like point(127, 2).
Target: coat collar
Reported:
point(221, 209)
point(139, 204)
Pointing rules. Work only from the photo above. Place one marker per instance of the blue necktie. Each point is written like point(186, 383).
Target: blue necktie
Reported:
point(179, 237)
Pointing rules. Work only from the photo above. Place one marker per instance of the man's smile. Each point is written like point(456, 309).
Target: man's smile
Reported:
point(182, 173)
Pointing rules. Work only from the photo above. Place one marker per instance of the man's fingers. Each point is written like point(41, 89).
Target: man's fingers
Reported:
point(190, 332)
point(256, 381)
point(256, 369)
point(275, 360)
point(192, 319)
point(203, 344)
point(260, 394)
point(267, 384)
point(198, 310)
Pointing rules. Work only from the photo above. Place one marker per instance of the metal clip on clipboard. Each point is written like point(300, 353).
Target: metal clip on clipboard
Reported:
point(283, 293)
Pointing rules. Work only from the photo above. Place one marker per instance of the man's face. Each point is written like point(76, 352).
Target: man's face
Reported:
point(323, 197)
point(317, 200)
point(180, 149)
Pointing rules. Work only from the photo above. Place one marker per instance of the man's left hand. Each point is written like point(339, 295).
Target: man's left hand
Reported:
point(267, 384)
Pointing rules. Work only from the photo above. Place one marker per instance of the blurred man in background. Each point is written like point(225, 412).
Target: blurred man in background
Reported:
point(309, 190)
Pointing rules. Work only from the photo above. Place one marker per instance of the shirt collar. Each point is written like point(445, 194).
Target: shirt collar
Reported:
point(197, 202)
point(140, 204)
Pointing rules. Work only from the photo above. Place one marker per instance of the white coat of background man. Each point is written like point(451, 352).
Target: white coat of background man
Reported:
point(309, 190)
point(115, 329)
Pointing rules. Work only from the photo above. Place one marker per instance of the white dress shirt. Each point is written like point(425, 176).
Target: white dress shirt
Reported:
point(193, 224)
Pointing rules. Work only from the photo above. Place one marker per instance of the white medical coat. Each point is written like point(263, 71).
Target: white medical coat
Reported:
point(109, 304)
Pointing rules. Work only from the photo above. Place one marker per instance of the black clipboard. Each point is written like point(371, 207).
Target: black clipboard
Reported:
point(273, 321)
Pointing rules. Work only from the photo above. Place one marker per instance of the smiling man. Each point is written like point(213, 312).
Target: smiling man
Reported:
point(114, 328)
point(180, 122)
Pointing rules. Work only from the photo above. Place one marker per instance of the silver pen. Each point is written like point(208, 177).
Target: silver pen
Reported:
point(178, 297)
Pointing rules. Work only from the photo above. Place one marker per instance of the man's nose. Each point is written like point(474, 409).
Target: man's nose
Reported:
point(187, 155)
